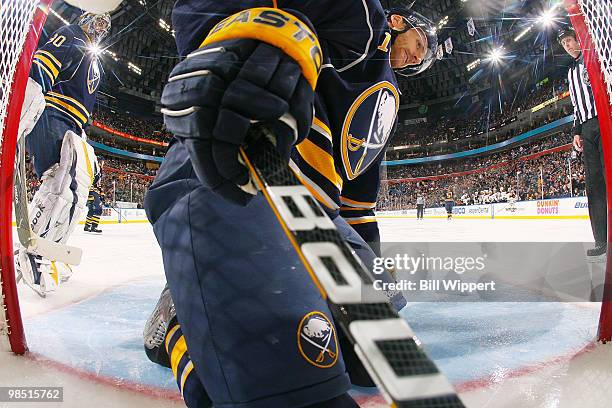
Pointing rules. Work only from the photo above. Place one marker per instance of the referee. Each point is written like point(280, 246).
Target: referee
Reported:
point(587, 139)
point(420, 203)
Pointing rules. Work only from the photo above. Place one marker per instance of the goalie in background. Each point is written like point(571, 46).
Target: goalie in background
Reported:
point(95, 202)
point(60, 95)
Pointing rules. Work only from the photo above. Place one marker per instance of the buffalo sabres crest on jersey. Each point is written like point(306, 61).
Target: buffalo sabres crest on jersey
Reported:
point(317, 340)
point(93, 76)
point(368, 126)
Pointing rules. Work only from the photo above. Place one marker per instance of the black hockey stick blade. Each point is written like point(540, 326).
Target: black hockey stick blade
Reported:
point(384, 342)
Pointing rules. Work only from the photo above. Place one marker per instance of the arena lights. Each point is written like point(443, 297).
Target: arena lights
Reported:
point(473, 65)
point(164, 25)
point(549, 17)
point(496, 55)
point(442, 23)
point(95, 49)
point(134, 68)
point(523, 33)
point(112, 54)
point(56, 14)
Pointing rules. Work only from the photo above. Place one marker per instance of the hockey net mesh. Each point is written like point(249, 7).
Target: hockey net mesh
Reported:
point(598, 17)
point(15, 18)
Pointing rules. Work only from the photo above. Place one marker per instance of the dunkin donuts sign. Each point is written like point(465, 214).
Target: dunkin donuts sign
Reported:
point(548, 207)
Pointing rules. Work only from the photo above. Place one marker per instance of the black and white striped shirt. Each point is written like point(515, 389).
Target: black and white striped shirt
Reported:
point(581, 93)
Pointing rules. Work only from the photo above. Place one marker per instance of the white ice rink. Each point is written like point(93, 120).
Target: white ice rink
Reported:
point(87, 336)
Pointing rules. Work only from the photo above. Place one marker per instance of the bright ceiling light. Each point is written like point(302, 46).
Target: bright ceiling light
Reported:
point(547, 18)
point(523, 33)
point(496, 55)
point(95, 49)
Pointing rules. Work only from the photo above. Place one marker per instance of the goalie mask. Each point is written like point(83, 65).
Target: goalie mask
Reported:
point(426, 29)
point(98, 25)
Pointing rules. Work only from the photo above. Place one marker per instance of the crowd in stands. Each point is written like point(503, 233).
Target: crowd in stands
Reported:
point(546, 176)
point(122, 180)
point(446, 129)
point(499, 177)
point(125, 180)
point(454, 166)
point(128, 166)
point(150, 129)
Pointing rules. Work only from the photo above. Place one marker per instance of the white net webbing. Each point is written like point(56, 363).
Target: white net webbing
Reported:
point(598, 17)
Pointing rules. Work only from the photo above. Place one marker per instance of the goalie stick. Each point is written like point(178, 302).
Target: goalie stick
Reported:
point(34, 244)
point(384, 342)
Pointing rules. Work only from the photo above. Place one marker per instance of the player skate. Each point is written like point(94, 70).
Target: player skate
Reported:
point(37, 273)
point(156, 328)
point(598, 253)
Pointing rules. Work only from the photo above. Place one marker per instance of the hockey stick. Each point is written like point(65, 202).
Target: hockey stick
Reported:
point(383, 341)
point(34, 244)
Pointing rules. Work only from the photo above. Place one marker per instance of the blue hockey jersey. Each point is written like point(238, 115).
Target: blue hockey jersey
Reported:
point(356, 103)
point(69, 73)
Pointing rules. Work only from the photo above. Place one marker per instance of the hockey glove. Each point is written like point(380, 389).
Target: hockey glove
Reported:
point(219, 90)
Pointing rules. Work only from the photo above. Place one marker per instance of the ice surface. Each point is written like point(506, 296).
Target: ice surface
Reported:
point(87, 336)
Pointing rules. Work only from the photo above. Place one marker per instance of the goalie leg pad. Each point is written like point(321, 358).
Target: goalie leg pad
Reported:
point(40, 275)
point(61, 198)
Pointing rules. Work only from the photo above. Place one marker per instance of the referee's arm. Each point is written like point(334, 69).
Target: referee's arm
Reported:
point(577, 127)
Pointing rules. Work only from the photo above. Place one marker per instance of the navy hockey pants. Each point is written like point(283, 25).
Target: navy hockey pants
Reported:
point(44, 142)
point(257, 330)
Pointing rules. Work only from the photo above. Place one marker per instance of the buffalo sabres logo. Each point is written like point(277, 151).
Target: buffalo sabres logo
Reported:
point(317, 340)
point(93, 76)
point(368, 126)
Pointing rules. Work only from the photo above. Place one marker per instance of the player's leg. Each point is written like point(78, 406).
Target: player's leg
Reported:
point(90, 211)
point(160, 329)
point(596, 184)
point(164, 338)
point(57, 204)
point(96, 213)
point(258, 331)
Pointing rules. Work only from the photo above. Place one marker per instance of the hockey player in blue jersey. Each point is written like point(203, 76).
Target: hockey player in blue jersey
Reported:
point(247, 327)
point(59, 98)
point(95, 200)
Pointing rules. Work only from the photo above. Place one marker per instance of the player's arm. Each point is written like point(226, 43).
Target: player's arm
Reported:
point(52, 58)
point(577, 127)
point(47, 63)
point(358, 200)
point(343, 25)
point(260, 64)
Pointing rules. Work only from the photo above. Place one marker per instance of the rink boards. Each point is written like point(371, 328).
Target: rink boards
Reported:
point(557, 208)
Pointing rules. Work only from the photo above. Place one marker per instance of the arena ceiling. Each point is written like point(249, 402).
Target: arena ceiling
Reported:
point(140, 50)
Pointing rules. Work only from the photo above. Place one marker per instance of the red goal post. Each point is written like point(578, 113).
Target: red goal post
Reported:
point(21, 22)
point(592, 20)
